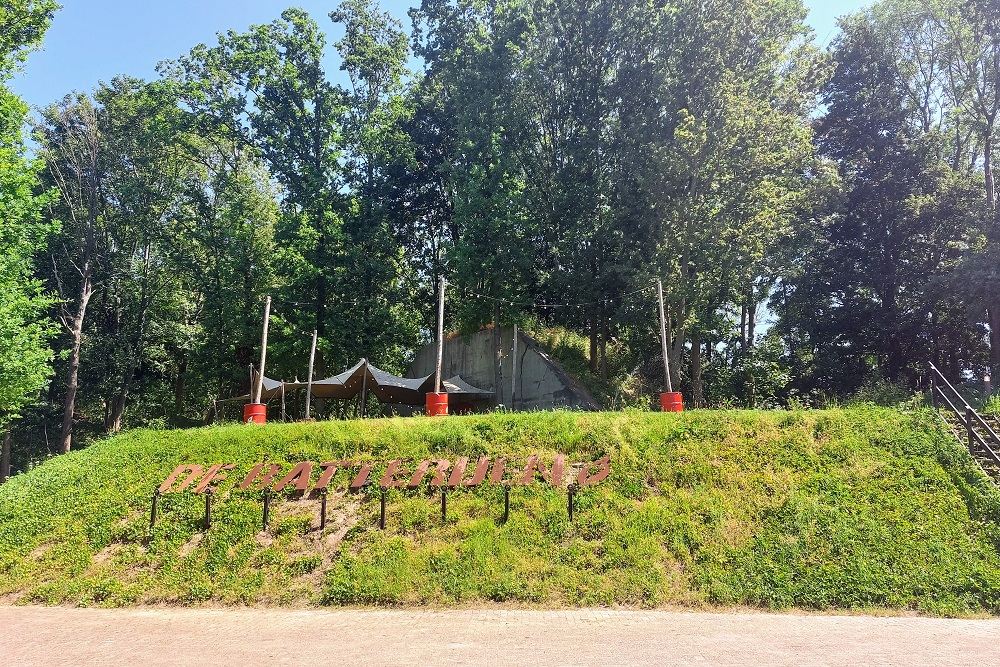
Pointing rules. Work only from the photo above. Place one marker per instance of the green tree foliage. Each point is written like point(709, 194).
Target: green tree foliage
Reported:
point(324, 145)
point(22, 25)
point(821, 221)
point(227, 203)
point(887, 286)
point(164, 256)
point(25, 355)
point(598, 144)
point(24, 329)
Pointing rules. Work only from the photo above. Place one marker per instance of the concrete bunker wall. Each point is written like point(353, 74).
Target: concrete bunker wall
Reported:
point(540, 383)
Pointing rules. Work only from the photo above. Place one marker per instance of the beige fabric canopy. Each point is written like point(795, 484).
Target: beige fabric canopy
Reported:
point(363, 377)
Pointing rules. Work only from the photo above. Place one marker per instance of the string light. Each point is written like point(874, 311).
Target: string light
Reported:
point(465, 292)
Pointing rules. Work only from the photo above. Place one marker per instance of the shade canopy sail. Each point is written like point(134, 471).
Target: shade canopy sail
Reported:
point(456, 385)
point(343, 385)
point(363, 377)
point(389, 388)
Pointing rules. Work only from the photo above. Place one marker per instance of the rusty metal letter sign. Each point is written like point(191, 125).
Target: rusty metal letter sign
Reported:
point(396, 474)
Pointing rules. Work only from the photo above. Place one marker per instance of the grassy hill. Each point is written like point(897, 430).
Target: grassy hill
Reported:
point(854, 508)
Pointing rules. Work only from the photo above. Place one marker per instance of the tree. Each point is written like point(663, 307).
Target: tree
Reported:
point(728, 146)
point(146, 168)
point(971, 37)
point(373, 53)
point(23, 23)
point(267, 90)
point(71, 139)
point(876, 299)
point(25, 331)
point(220, 244)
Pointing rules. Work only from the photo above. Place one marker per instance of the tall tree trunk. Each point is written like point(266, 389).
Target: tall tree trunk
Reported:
point(993, 305)
point(73, 373)
point(115, 418)
point(991, 192)
point(605, 332)
point(497, 356)
point(594, 340)
point(137, 349)
point(697, 387)
point(676, 344)
point(73, 161)
point(751, 321)
point(5, 457)
point(743, 327)
point(180, 387)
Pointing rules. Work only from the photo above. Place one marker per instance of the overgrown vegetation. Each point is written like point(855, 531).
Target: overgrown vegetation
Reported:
point(823, 216)
point(615, 383)
point(851, 508)
point(992, 405)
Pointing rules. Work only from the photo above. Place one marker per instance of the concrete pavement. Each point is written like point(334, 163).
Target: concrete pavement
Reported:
point(173, 636)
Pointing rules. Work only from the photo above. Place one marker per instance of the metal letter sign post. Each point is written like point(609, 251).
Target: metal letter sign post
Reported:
point(445, 476)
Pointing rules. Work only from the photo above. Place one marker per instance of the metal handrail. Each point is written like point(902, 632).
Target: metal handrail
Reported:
point(969, 416)
point(950, 404)
point(965, 404)
point(986, 425)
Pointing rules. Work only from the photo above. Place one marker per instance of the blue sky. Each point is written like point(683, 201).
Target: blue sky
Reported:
point(94, 40)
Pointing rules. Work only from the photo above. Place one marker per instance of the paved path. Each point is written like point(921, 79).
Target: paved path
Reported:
point(62, 636)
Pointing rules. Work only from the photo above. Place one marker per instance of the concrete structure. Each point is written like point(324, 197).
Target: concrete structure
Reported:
point(539, 382)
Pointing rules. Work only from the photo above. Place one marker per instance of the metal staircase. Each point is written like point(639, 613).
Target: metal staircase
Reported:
point(977, 432)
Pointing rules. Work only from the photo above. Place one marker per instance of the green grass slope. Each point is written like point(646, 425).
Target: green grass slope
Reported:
point(856, 508)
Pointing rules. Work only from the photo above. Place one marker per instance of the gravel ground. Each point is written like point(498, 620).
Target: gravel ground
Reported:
point(155, 636)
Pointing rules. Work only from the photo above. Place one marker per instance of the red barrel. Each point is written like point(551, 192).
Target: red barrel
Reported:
point(254, 413)
point(671, 401)
point(437, 404)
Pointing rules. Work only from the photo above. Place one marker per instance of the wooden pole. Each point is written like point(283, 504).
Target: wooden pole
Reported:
point(364, 392)
point(497, 357)
point(663, 336)
point(440, 338)
point(309, 382)
point(263, 351)
point(513, 368)
point(282, 400)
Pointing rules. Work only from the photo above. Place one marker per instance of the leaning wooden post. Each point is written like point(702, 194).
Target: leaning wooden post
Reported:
point(437, 402)
point(970, 431)
point(513, 369)
point(440, 338)
point(263, 351)
point(364, 393)
point(255, 412)
point(282, 400)
point(309, 382)
point(670, 400)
